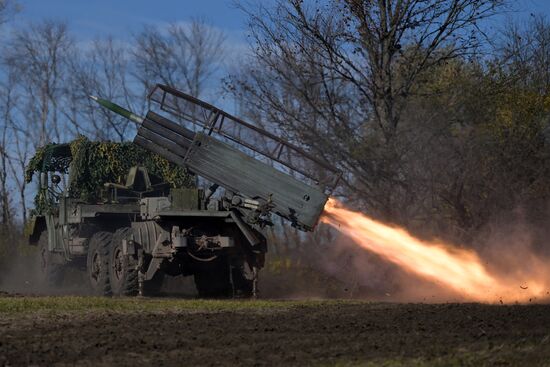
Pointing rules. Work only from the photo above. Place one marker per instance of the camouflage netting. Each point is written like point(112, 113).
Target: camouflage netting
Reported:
point(94, 163)
point(52, 157)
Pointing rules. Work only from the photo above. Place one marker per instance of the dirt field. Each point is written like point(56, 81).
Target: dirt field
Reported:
point(87, 331)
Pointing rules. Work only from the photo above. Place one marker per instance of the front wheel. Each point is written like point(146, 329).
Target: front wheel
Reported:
point(123, 269)
point(123, 273)
point(97, 264)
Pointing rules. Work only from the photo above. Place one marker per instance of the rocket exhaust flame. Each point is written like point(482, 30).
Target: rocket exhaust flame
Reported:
point(461, 270)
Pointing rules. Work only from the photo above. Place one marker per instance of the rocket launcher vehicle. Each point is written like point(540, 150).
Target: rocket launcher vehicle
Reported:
point(242, 158)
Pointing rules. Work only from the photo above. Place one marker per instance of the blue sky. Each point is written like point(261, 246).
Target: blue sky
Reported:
point(538, 6)
point(91, 18)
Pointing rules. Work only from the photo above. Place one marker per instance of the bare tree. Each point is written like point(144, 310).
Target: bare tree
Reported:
point(337, 76)
point(101, 70)
point(8, 101)
point(5, 199)
point(185, 56)
point(37, 55)
point(34, 65)
point(525, 53)
point(22, 149)
point(398, 41)
point(7, 10)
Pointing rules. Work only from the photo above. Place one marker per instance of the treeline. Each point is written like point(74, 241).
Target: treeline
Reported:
point(47, 75)
point(438, 121)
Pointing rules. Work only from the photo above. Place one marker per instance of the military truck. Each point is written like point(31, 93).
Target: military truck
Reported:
point(128, 233)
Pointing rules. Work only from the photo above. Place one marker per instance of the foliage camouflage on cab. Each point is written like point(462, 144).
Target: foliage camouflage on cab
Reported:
point(51, 157)
point(95, 163)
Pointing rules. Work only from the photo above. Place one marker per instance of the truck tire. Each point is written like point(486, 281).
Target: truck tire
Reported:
point(97, 263)
point(48, 263)
point(123, 273)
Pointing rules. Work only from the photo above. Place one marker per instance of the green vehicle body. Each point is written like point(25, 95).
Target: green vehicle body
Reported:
point(133, 233)
point(156, 214)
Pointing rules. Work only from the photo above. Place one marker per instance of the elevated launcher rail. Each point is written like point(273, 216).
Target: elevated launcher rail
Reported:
point(238, 156)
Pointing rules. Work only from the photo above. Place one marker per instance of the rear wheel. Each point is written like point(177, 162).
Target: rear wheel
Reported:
point(97, 264)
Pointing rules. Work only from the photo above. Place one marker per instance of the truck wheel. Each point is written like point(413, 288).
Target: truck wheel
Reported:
point(123, 272)
point(97, 264)
point(51, 271)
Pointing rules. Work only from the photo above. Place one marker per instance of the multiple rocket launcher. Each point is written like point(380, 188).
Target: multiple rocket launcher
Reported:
point(234, 154)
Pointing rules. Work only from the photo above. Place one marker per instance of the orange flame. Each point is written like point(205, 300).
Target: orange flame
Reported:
point(459, 269)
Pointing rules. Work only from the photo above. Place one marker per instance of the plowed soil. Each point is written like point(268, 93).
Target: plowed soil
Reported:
point(87, 331)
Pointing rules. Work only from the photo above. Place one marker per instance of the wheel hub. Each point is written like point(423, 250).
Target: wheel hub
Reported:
point(118, 264)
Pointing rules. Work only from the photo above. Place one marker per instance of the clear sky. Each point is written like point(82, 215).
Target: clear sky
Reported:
point(90, 18)
point(535, 6)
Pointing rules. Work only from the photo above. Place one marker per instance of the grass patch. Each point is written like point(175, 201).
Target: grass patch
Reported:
point(62, 304)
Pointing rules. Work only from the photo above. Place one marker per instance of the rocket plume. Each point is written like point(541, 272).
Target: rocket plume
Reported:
point(458, 269)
